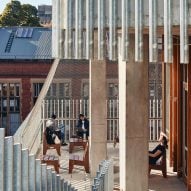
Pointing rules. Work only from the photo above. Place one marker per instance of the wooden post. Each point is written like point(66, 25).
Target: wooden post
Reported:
point(189, 130)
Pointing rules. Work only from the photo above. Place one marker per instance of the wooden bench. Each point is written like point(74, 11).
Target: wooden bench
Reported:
point(161, 166)
point(47, 146)
point(76, 142)
point(80, 160)
point(51, 160)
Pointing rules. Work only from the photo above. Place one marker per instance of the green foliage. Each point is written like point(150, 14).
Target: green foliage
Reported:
point(16, 14)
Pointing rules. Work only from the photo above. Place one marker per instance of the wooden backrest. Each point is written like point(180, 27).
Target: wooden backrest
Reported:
point(44, 137)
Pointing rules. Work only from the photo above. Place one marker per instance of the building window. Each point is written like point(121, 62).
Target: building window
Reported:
point(10, 107)
point(36, 91)
point(85, 90)
point(60, 90)
point(112, 90)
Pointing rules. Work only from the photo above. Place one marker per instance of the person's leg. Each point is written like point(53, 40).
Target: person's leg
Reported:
point(58, 133)
point(63, 136)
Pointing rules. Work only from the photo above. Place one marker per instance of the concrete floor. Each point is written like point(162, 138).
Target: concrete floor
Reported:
point(82, 181)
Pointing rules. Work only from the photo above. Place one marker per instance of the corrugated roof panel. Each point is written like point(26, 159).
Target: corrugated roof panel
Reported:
point(36, 47)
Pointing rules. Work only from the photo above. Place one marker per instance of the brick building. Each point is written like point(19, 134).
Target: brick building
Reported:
point(25, 60)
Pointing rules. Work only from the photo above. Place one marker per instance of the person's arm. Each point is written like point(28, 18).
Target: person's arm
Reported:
point(157, 153)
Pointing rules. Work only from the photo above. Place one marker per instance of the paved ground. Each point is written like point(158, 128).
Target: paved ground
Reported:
point(82, 181)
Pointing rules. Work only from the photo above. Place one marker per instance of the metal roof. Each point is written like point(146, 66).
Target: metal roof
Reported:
point(38, 46)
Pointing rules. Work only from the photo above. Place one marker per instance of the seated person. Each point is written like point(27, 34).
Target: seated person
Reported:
point(52, 131)
point(83, 126)
point(159, 150)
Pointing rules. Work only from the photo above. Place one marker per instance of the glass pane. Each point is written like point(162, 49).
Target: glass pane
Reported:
point(17, 90)
point(11, 89)
point(61, 90)
point(66, 89)
point(12, 104)
point(54, 90)
point(5, 90)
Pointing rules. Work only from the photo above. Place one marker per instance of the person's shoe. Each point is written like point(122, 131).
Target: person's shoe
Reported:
point(64, 144)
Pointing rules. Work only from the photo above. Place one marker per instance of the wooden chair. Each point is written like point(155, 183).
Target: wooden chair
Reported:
point(76, 142)
point(51, 160)
point(80, 160)
point(46, 146)
point(161, 166)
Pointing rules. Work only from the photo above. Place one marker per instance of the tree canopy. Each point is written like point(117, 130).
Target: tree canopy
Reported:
point(16, 14)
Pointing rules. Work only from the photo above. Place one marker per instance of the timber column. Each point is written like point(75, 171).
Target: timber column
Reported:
point(98, 115)
point(133, 120)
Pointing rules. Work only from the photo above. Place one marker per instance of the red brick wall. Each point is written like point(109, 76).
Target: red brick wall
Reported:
point(69, 69)
point(24, 71)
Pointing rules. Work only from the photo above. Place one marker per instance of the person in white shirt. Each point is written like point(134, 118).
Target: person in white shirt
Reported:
point(52, 129)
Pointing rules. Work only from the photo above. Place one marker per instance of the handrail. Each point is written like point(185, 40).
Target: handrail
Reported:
point(32, 126)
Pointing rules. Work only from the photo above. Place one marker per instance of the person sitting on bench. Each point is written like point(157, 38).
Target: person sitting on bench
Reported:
point(83, 127)
point(52, 131)
point(159, 150)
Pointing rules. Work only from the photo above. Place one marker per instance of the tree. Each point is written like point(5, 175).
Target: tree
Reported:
point(16, 14)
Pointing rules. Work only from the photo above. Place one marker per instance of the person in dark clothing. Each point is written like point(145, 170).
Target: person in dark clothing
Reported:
point(82, 126)
point(159, 150)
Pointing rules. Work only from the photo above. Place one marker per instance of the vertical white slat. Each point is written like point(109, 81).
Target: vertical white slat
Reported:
point(184, 46)
point(17, 167)
point(54, 106)
point(8, 164)
point(149, 108)
point(153, 125)
point(58, 27)
point(150, 129)
point(138, 30)
point(168, 31)
point(69, 120)
point(124, 29)
point(78, 29)
point(54, 31)
point(154, 103)
point(25, 169)
point(44, 177)
point(81, 106)
point(161, 108)
point(113, 121)
point(54, 181)
point(153, 49)
point(89, 29)
point(62, 109)
point(157, 104)
point(68, 30)
point(38, 175)
point(112, 29)
point(47, 111)
point(117, 116)
point(32, 172)
point(49, 179)
point(58, 110)
point(2, 144)
point(58, 183)
point(101, 29)
point(43, 113)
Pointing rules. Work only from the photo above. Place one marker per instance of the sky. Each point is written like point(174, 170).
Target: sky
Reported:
point(32, 2)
